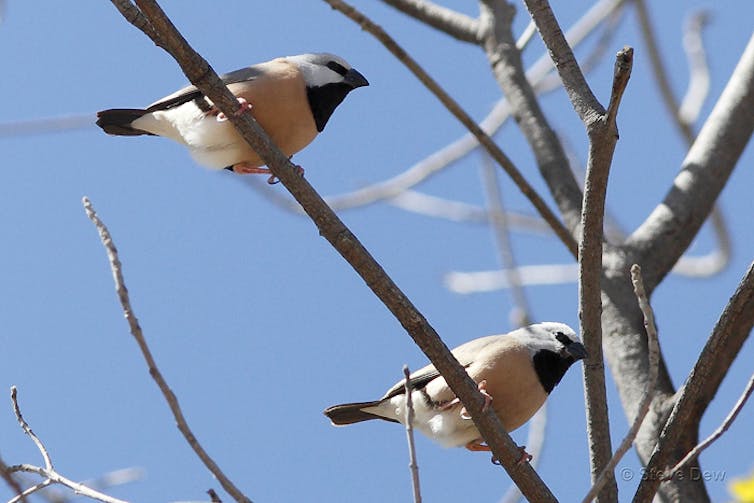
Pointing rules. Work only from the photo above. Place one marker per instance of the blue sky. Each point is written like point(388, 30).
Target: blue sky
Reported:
point(255, 321)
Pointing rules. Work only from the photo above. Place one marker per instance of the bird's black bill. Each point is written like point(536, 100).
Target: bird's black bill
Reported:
point(577, 350)
point(354, 79)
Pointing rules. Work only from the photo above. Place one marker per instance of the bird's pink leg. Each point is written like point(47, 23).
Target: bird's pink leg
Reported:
point(477, 446)
point(243, 106)
point(243, 168)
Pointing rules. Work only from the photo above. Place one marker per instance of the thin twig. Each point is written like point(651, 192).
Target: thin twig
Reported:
point(213, 497)
point(531, 275)
point(699, 75)
point(731, 331)
point(499, 224)
point(583, 100)
point(136, 332)
point(20, 497)
point(413, 466)
point(653, 356)
point(460, 114)
point(27, 429)
point(459, 211)
point(55, 478)
point(455, 24)
point(694, 453)
point(48, 471)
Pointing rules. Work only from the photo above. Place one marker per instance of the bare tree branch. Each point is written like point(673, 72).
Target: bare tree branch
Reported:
point(694, 453)
point(488, 281)
point(537, 74)
point(507, 67)
point(154, 371)
point(603, 135)
point(201, 75)
point(670, 228)
point(413, 466)
point(51, 476)
point(25, 426)
point(729, 334)
point(583, 100)
point(453, 107)
point(653, 352)
point(455, 24)
point(717, 259)
point(499, 223)
point(699, 79)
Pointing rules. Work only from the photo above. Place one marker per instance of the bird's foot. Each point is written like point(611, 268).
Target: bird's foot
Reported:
point(243, 106)
point(487, 399)
point(525, 456)
point(477, 446)
point(272, 180)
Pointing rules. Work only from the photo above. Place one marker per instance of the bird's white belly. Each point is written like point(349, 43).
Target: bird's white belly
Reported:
point(211, 143)
point(447, 427)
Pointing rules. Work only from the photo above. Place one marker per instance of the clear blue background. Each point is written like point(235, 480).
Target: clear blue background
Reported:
point(255, 321)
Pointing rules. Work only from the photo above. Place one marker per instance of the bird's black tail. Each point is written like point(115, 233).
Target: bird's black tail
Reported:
point(117, 121)
point(349, 413)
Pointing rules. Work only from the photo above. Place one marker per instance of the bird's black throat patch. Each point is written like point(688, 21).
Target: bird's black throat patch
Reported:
point(324, 100)
point(550, 368)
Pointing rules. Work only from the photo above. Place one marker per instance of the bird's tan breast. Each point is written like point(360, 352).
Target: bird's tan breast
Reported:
point(280, 105)
point(513, 384)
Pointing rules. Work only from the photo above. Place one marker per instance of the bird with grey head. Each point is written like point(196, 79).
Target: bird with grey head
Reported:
point(292, 98)
point(515, 372)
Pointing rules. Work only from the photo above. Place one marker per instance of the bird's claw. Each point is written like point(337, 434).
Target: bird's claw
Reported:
point(272, 180)
point(487, 399)
point(243, 106)
point(525, 457)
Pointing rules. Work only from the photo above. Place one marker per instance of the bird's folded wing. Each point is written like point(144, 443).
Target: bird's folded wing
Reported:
point(418, 380)
point(190, 93)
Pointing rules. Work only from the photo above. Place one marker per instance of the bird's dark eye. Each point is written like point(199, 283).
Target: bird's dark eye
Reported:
point(563, 338)
point(337, 68)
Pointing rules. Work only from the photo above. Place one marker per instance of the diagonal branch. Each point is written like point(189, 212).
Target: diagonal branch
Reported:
point(683, 116)
point(583, 100)
point(154, 371)
point(696, 451)
point(455, 24)
point(332, 228)
point(667, 232)
point(495, 152)
point(729, 335)
point(508, 69)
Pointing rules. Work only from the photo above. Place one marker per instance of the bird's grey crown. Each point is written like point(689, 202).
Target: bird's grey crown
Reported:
point(319, 69)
